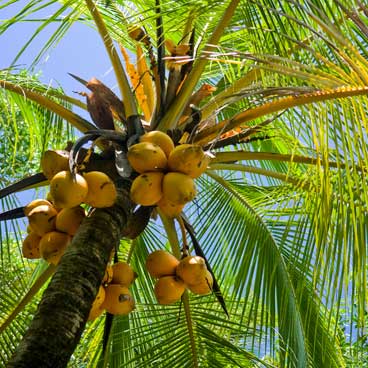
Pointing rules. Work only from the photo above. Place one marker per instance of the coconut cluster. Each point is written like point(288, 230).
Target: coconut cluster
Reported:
point(50, 229)
point(175, 276)
point(167, 172)
point(55, 220)
point(114, 295)
point(68, 190)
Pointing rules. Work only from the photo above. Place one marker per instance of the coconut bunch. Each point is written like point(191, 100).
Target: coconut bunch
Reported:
point(114, 295)
point(68, 190)
point(50, 229)
point(167, 172)
point(175, 276)
point(55, 220)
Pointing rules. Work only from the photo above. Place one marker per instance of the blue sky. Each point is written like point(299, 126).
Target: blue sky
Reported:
point(80, 52)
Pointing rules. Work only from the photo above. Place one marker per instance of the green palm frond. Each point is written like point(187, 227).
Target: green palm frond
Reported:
point(16, 277)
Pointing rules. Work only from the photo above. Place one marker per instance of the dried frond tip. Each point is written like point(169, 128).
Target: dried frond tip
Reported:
point(136, 33)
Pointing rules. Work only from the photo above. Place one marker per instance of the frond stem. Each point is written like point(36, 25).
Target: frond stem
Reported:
point(271, 107)
point(188, 317)
point(304, 184)
point(223, 157)
point(122, 80)
point(77, 121)
point(131, 250)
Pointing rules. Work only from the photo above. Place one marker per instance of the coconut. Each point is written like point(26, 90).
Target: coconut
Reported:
point(204, 286)
point(35, 203)
point(67, 190)
point(118, 300)
point(178, 188)
point(42, 219)
point(53, 246)
point(101, 190)
point(192, 270)
point(30, 246)
point(68, 220)
point(53, 162)
point(123, 274)
point(161, 263)
point(96, 309)
point(188, 159)
point(159, 138)
point(146, 188)
point(146, 156)
point(108, 275)
point(168, 208)
point(169, 289)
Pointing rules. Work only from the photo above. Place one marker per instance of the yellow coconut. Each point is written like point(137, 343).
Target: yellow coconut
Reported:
point(146, 156)
point(159, 138)
point(68, 191)
point(178, 188)
point(30, 246)
point(42, 219)
point(94, 313)
point(168, 208)
point(161, 263)
point(35, 203)
point(146, 188)
point(169, 289)
point(53, 246)
point(68, 220)
point(192, 270)
point(108, 275)
point(101, 190)
point(50, 199)
point(96, 309)
point(123, 274)
point(189, 159)
point(204, 287)
point(53, 162)
point(118, 300)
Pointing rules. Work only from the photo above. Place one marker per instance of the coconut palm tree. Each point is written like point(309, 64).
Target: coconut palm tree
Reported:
point(275, 93)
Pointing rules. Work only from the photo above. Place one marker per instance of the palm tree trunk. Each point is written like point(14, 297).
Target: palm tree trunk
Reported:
point(63, 311)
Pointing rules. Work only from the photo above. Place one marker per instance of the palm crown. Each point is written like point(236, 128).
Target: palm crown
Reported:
point(276, 92)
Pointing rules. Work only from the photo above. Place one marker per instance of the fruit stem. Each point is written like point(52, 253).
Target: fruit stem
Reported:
point(172, 235)
point(184, 237)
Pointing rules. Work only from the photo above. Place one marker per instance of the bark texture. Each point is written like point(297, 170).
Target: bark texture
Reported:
point(63, 311)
